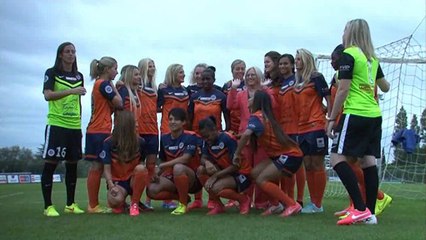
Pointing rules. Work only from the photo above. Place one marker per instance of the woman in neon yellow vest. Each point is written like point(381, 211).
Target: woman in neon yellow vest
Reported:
point(359, 131)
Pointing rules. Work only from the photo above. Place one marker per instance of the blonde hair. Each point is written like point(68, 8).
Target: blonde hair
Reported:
point(98, 67)
point(200, 65)
point(357, 33)
point(126, 77)
point(258, 72)
point(143, 69)
point(171, 74)
point(304, 75)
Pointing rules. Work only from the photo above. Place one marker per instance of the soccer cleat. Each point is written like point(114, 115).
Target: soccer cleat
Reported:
point(261, 206)
point(169, 205)
point(382, 204)
point(118, 210)
point(245, 205)
point(232, 203)
point(344, 212)
point(180, 210)
point(311, 208)
point(149, 205)
point(211, 204)
point(218, 209)
point(145, 207)
point(196, 204)
point(134, 209)
point(50, 211)
point(73, 208)
point(273, 210)
point(370, 221)
point(291, 210)
point(98, 209)
point(355, 216)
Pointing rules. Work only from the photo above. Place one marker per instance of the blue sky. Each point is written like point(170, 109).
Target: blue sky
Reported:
point(186, 32)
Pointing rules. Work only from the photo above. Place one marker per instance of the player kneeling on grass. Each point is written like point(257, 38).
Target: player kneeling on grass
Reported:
point(180, 160)
point(219, 176)
point(285, 157)
point(122, 156)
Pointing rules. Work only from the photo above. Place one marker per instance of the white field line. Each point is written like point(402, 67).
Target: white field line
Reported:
point(11, 195)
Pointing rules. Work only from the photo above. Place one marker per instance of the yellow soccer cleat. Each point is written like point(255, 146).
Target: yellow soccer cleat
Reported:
point(99, 209)
point(73, 208)
point(382, 204)
point(180, 210)
point(50, 211)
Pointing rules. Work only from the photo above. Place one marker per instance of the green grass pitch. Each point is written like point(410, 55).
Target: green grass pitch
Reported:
point(21, 218)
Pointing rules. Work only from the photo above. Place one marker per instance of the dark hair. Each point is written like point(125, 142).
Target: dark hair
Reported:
point(338, 50)
point(274, 75)
point(210, 71)
point(207, 123)
point(178, 113)
point(291, 58)
point(58, 60)
point(262, 102)
point(212, 68)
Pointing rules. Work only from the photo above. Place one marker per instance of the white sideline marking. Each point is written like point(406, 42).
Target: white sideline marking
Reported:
point(11, 195)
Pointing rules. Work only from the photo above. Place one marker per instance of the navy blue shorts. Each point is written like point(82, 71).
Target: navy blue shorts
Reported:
point(287, 163)
point(313, 143)
point(94, 145)
point(62, 144)
point(126, 185)
point(151, 143)
point(243, 181)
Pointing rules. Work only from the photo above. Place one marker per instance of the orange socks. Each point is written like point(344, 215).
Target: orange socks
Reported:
point(138, 185)
point(93, 185)
point(320, 182)
point(276, 193)
point(317, 180)
point(300, 183)
point(182, 186)
point(287, 185)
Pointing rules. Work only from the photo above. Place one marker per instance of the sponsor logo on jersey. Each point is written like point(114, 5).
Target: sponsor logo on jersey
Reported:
point(173, 148)
point(181, 145)
point(344, 68)
point(46, 78)
point(102, 154)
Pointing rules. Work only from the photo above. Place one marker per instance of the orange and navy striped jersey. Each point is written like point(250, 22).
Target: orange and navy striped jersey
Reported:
point(102, 109)
point(266, 139)
point(234, 115)
point(203, 104)
point(169, 98)
point(120, 171)
point(274, 92)
point(288, 118)
point(222, 152)
point(148, 116)
point(128, 105)
point(308, 104)
point(172, 148)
